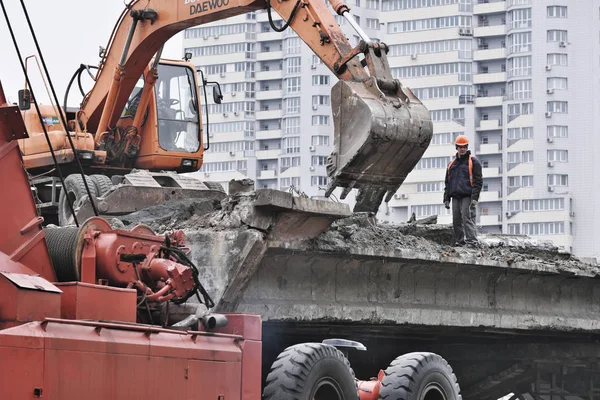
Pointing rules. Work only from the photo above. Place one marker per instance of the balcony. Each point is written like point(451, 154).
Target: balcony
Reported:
point(489, 31)
point(485, 220)
point(269, 94)
point(489, 101)
point(268, 55)
point(269, 114)
point(491, 172)
point(268, 36)
point(270, 134)
point(489, 148)
point(268, 154)
point(489, 125)
point(489, 196)
point(489, 7)
point(269, 75)
point(489, 54)
point(267, 174)
point(494, 77)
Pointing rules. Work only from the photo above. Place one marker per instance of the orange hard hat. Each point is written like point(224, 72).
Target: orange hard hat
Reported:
point(462, 140)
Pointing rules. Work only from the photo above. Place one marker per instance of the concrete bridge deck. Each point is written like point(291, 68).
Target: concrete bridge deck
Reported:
point(508, 316)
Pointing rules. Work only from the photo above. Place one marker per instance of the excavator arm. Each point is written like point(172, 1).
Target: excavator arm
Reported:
point(381, 129)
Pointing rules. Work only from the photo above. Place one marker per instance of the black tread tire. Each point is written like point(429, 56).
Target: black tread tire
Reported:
point(214, 186)
point(103, 184)
point(408, 376)
point(76, 188)
point(299, 368)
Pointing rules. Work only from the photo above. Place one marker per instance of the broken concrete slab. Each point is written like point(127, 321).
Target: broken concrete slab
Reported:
point(270, 253)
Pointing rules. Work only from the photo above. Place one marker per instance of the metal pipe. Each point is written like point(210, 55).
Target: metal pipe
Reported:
point(350, 18)
point(157, 59)
point(128, 42)
point(212, 321)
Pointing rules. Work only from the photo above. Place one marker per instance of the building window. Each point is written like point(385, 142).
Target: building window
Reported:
point(514, 205)
point(514, 181)
point(527, 181)
point(430, 187)
point(320, 140)
point(558, 156)
point(292, 45)
point(528, 156)
point(320, 120)
point(519, 42)
point(433, 163)
point(293, 65)
point(558, 131)
point(559, 107)
point(519, 89)
point(372, 23)
point(438, 46)
point(429, 210)
point(544, 205)
point(292, 105)
point(291, 126)
point(320, 100)
point(558, 180)
point(319, 180)
point(318, 80)
point(520, 18)
point(557, 83)
point(391, 5)
point(544, 228)
point(291, 145)
point(558, 59)
point(557, 12)
point(514, 229)
point(292, 85)
point(557, 35)
point(519, 66)
point(429, 24)
point(527, 133)
point(372, 5)
point(318, 160)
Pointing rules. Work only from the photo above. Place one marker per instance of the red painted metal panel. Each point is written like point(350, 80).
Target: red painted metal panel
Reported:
point(209, 380)
point(24, 305)
point(247, 325)
point(21, 372)
point(97, 302)
point(251, 369)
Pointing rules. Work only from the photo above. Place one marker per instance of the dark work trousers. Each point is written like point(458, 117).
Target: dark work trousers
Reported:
point(463, 219)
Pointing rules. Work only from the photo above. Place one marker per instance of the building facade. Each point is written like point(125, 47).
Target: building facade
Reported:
point(518, 77)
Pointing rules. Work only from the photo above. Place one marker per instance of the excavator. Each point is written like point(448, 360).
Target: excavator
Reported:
point(141, 123)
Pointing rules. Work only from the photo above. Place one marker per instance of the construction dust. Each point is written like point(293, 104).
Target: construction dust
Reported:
point(362, 231)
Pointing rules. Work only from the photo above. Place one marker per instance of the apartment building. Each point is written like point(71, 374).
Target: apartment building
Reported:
point(518, 77)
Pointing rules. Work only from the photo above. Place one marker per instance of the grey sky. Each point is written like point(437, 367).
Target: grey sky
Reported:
point(69, 33)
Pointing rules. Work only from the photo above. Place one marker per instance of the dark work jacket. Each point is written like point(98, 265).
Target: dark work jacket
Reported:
point(457, 179)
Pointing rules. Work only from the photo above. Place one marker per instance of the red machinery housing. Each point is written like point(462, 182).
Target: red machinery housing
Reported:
point(77, 337)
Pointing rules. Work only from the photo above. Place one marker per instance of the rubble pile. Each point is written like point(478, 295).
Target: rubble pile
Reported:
point(361, 231)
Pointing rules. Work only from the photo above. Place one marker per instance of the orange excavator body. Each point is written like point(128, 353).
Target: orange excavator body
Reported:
point(381, 129)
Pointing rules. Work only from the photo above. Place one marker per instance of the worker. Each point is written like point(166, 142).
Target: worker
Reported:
point(464, 180)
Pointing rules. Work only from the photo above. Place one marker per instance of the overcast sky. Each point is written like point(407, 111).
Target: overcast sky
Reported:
point(69, 33)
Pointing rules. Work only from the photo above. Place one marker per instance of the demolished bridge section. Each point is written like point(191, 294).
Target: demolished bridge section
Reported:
point(294, 259)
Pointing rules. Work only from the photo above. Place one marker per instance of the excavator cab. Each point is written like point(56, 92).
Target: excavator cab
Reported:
point(172, 130)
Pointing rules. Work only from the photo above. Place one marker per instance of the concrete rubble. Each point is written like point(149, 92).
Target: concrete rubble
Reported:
point(357, 233)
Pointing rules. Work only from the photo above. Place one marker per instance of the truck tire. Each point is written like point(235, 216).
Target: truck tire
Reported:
point(311, 371)
point(419, 376)
point(214, 186)
point(74, 190)
point(103, 184)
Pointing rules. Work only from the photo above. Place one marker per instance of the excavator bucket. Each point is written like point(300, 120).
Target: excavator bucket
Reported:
point(381, 130)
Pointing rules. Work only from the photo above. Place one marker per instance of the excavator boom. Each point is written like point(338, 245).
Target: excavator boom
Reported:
point(381, 128)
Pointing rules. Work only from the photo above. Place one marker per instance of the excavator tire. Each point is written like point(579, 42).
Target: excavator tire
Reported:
point(75, 190)
point(214, 186)
point(103, 184)
point(419, 376)
point(311, 371)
